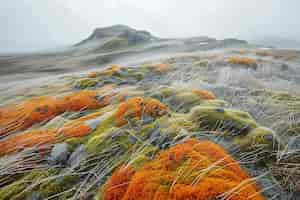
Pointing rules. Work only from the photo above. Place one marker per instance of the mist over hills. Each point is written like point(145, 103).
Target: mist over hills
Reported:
point(118, 43)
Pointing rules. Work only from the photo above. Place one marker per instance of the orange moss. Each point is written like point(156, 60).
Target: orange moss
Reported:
point(30, 139)
point(85, 99)
point(42, 137)
point(78, 130)
point(22, 116)
point(37, 138)
point(199, 170)
point(204, 94)
point(15, 118)
point(242, 61)
point(108, 71)
point(93, 74)
point(279, 54)
point(242, 51)
point(161, 67)
point(136, 107)
point(116, 187)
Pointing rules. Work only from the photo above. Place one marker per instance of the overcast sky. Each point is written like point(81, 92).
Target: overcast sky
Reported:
point(28, 25)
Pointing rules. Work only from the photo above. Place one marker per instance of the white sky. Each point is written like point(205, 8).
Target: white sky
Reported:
point(38, 24)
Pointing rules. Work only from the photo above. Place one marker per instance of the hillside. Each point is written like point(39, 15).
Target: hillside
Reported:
point(126, 115)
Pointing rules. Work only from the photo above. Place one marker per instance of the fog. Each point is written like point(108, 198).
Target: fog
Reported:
point(30, 25)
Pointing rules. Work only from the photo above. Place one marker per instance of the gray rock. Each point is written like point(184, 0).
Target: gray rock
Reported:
point(77, 156)
point(284, 67)
point(132, 139)
point(147, 119)
point(59, 154)
point(154, 135)
point(294, 143)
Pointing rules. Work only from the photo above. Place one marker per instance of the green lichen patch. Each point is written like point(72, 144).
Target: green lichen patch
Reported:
point(22, 188)
point(217, 118)
point(114, 44)
point(259, 137)
point(86, 83)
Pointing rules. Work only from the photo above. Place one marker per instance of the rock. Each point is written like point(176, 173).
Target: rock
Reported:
point(59, 154)
point(146, 119)
point(154, 135)
point(291, 155)
point(77, 156)
point(284, 67)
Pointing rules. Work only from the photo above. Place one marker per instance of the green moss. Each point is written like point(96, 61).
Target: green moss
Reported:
point(184, 101)
point(97, 142)
point(163, 93)
point(172, 126)
point(22, 188)
point(106, 124)
point(276, 95)
point(167, 91)
point(213, 118)
point(86, 83)
point(257, 137)
point(214, 103)
point(115, 44)
point(146, 67)
point(57, 186)
point(126, 145)
point(138, 76)
point(143, 156)
point(201, 63)
point(103, 128)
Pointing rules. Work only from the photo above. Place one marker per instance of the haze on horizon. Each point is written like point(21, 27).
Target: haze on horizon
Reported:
point(28, 25)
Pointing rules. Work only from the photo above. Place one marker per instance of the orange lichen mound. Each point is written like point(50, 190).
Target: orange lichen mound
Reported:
point(20, 117)
point(204, 94)
point(108, 71)
point(279, 54)
point(195, 170)
point(42, 137)
point(93, 74)
point(117, 185)
point(85, 99)
point(136, 107)
point(37, 138)
point(161, 67)
point(242, 61)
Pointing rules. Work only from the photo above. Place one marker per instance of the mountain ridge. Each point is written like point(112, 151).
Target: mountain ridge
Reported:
point(118, 31)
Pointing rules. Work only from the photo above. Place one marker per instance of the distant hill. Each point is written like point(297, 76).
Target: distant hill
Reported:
point(278, 42)
point(108, 45)
point(117, 36)
point(121, 37)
